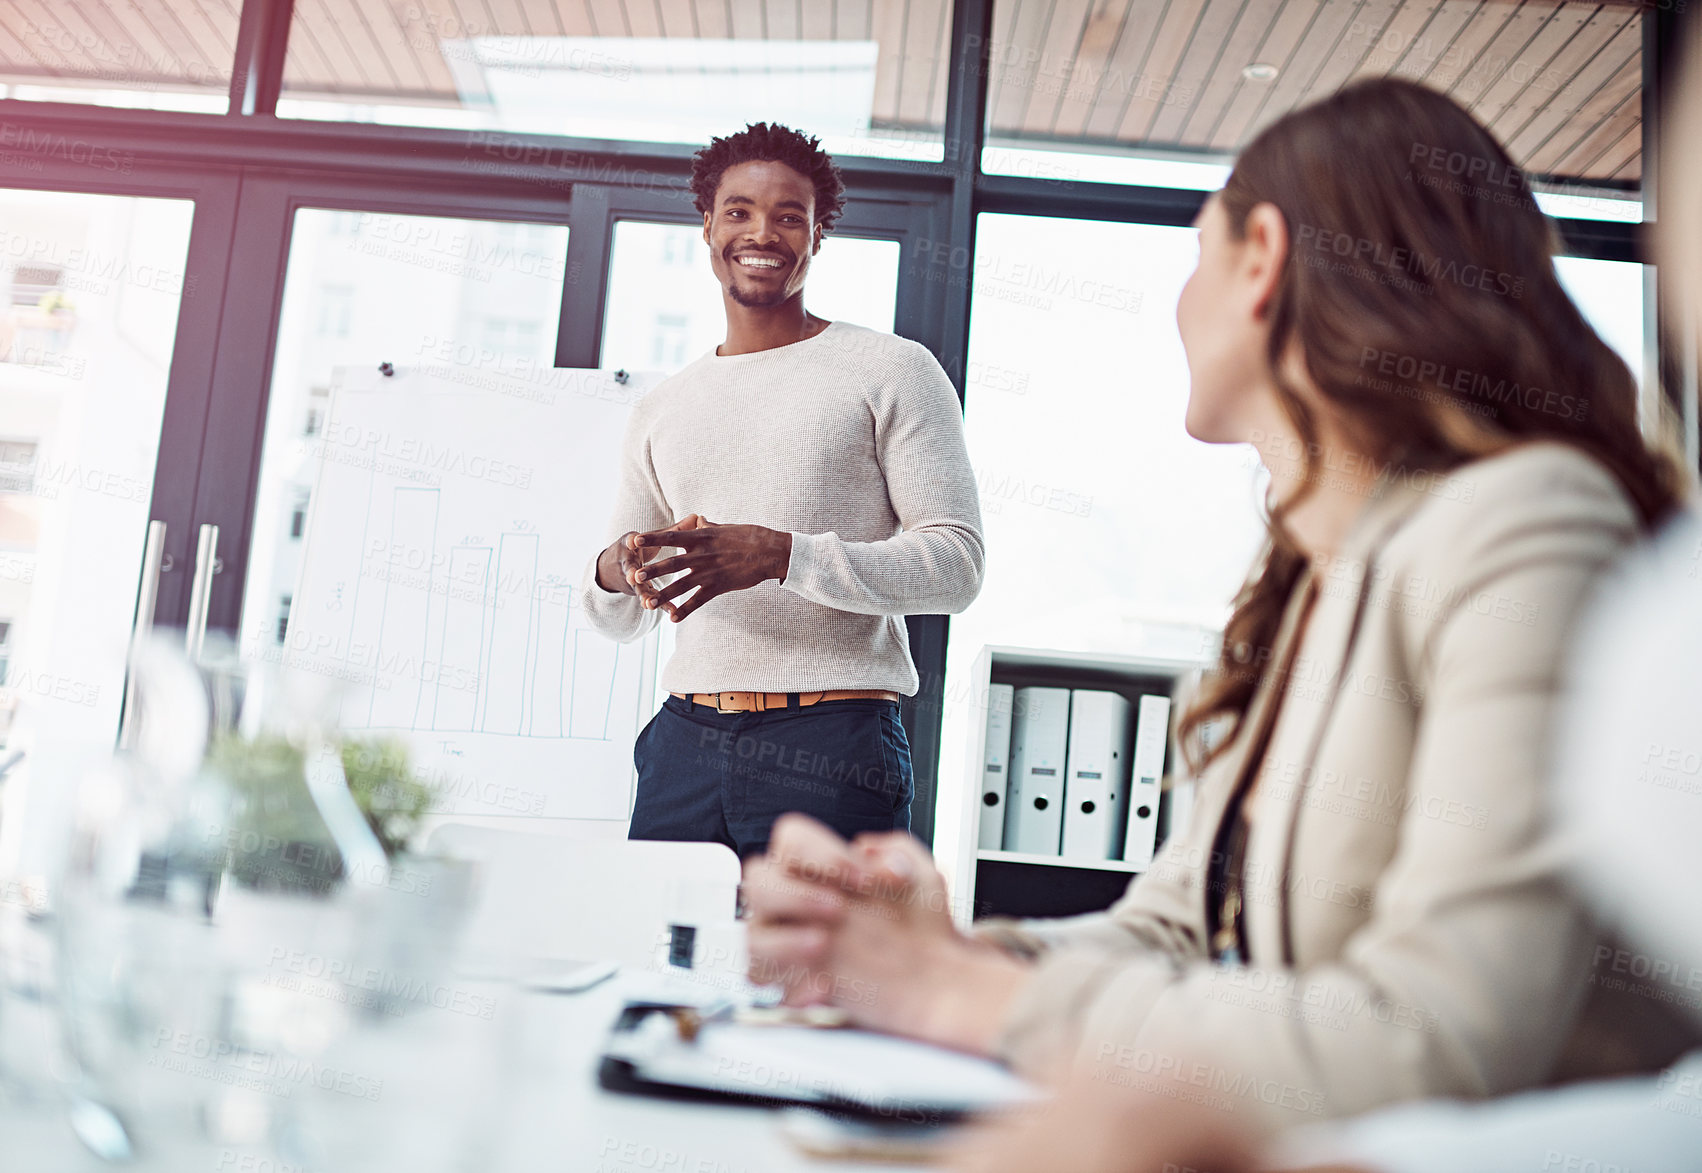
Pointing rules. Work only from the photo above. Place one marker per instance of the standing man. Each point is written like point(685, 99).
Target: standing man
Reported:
point(811, 481)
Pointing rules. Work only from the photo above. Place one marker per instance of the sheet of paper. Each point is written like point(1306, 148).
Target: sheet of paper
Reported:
point(879, 1071)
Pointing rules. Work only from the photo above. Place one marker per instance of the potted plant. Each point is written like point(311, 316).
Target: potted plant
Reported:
point(275, 837)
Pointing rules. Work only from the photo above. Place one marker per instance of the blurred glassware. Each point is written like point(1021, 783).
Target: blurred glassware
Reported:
point(224, 902)
point(28, 1042)
point(419, 1080)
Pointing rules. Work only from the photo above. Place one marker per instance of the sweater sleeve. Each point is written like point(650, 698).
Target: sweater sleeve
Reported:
point(935, 564)
point(639, 505)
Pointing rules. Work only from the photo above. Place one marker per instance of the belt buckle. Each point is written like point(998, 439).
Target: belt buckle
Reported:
point(719, 709)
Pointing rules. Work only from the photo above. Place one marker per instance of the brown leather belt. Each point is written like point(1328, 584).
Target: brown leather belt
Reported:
point(761, 702)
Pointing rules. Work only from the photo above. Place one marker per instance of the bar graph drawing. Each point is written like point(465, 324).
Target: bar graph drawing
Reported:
point(447, 534)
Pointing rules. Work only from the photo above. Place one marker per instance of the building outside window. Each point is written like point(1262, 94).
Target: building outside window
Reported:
point(17, 466)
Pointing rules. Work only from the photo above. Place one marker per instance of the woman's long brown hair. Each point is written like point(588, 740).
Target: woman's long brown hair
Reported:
point(1420, 294)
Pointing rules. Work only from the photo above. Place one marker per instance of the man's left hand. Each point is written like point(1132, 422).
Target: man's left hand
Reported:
point(717, 559)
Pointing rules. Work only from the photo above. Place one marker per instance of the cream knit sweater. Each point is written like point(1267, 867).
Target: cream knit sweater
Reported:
point(852, 441)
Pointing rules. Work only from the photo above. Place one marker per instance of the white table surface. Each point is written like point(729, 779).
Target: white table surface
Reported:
point(558, 1118)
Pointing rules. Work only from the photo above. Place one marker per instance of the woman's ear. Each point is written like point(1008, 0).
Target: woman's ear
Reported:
point(1264, 253)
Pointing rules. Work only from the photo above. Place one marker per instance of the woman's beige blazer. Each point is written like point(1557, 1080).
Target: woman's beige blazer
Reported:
point(1409, 929)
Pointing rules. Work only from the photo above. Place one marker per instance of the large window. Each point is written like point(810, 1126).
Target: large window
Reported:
point(1107, 526)
point(1108, 529)
point(89, 293)
point(867, 76)
point(664, 303)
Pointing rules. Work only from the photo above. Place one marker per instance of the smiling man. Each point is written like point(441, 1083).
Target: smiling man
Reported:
point(786, 500)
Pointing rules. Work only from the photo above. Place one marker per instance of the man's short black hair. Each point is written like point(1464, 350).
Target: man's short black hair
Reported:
point(762, 142)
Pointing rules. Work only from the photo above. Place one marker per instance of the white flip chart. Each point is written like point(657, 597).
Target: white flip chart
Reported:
point(448, 528)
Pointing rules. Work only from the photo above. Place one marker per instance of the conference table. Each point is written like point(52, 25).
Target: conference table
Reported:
point(555, 1117)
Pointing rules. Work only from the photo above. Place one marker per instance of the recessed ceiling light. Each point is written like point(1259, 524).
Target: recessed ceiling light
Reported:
point(1260, 71)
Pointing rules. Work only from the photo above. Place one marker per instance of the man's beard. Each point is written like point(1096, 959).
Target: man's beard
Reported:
point(756, 298)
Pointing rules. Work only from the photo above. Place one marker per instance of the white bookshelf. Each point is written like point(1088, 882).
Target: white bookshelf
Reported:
point(1055, 861)
point(1178, 656)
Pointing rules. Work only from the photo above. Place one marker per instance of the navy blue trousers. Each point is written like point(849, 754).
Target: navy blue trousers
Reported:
point(725, 777)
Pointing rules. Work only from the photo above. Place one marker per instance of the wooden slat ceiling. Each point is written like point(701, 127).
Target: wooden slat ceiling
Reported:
point(1560, 82)
point(176, 43)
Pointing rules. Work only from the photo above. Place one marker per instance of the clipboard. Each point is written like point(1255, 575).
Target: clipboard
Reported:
point(846, 1071)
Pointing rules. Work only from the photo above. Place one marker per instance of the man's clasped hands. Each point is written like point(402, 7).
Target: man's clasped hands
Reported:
point(712, 560)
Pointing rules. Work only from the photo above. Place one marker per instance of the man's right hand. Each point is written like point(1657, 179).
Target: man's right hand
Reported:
point(618, 566)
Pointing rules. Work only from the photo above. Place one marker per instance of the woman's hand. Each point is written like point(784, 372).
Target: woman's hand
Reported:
point(1092, 1127)
point(866, 926)
point(796, 897)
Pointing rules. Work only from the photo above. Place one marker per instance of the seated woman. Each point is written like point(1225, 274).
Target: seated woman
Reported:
point(1367, 905)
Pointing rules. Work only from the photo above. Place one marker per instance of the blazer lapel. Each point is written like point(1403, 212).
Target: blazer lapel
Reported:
point(1319, 671)
point(1226, 776)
